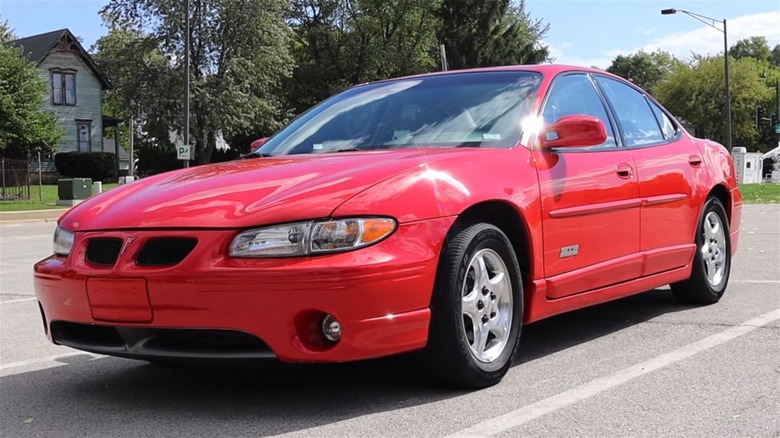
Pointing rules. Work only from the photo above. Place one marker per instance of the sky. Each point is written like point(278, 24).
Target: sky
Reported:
point(582, 32)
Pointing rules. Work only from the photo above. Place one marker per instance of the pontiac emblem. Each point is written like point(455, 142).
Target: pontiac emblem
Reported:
point(127, 244)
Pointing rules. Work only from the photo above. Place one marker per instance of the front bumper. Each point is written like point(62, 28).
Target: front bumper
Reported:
point(213, 306)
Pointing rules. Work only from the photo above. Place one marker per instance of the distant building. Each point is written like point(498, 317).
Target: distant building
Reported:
point(75, 87)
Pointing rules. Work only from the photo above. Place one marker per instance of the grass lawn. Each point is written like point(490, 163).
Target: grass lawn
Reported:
point(766, 193)
point(35, 203)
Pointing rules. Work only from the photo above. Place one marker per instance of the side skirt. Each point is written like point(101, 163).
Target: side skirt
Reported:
point(540, 307)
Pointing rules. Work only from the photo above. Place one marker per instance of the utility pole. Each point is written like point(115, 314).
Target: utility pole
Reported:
point(728, 86)
point(187, 77)
point(776, 127)
point(443, 55)
point(131, 126)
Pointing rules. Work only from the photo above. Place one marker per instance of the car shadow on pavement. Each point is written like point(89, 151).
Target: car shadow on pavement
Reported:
point(116, 397)
point(570, 329)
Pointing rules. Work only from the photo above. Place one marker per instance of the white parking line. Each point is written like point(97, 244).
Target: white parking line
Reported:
point(20, 300)
point(531, 412)
point(27, 236)
point(24, 363)
point(11, 368)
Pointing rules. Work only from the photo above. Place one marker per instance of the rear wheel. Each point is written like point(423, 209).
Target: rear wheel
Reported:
point(476, 310)
point(712, 262)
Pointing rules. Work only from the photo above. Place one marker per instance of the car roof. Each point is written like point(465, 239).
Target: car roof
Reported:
point(545, 69)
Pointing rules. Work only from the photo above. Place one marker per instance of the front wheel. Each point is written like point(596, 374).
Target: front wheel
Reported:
point(712, 262)
point(476, 310)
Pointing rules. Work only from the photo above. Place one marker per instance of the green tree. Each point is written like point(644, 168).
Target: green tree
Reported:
point(6, 33)
point(481, 33)
point(646, 70)
point(340, 43)
point(774, 60)
point(239, 59)
point(146, 89)
point(695, 93)
point(767, 138)
point(24, 126)
point(755, 47)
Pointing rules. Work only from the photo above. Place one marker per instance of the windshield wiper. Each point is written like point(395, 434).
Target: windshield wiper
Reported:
point(469, 144)
point(255, 155)
point(346, 150)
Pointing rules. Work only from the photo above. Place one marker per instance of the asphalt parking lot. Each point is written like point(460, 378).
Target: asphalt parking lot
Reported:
point(641, 366)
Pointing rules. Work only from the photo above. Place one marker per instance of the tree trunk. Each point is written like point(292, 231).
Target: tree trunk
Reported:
point(206, 147)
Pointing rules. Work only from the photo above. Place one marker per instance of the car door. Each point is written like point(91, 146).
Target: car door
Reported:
point(590, 199)
point(667, 166)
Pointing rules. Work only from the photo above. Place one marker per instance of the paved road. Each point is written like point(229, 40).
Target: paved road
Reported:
point(642, 366)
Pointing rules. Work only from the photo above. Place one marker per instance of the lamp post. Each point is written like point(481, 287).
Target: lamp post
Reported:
point(711, 23)
point(187, 76)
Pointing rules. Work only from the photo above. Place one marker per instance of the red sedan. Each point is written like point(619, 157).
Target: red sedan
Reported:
point(437, 213)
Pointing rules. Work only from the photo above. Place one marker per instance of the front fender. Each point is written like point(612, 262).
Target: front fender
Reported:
point(449, 187)
point(722, 173)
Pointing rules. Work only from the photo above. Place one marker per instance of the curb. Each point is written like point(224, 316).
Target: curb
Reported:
point(31, 215)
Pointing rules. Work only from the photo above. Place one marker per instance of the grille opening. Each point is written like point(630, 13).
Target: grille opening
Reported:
point(165, 251)
point(160, 342)
point(103, 251)
point(69, 333)
point(212, 341)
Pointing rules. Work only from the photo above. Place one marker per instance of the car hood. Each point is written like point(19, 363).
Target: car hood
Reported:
point(245, 193)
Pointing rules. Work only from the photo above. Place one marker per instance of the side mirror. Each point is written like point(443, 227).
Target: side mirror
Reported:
point(574, 131)
point(257, 143)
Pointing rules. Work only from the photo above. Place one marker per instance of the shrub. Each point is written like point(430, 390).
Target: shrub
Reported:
point(98, 166)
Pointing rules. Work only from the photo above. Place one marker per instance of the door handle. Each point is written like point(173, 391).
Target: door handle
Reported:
point(694, 160)
point(624, 171)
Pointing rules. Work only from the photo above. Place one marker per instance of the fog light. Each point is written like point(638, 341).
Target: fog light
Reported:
point(331, 328)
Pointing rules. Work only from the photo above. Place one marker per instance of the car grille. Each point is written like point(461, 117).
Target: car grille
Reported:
point(165, 251)
point(161, 343)
point(103, 251)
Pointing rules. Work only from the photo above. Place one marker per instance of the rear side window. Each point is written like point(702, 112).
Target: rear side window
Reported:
point(637, 120)
point(667, 126)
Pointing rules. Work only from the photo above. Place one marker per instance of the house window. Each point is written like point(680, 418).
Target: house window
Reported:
point(84, 135)
point(63, 87)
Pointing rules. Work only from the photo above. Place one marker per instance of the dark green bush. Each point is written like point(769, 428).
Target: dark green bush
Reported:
point(98, 166)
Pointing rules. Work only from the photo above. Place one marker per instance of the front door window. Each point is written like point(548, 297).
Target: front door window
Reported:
point(84, 136)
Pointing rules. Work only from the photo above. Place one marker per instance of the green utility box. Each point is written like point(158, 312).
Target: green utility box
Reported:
point(69, 189)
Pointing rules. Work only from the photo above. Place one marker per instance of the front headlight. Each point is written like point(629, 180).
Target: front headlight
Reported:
point(63, 241)
point(315, 237)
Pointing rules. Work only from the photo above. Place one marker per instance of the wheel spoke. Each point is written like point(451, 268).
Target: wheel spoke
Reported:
point(482, 273)
point(498, 285)
point(470, 307)
point(715, 228)
point(498, 327)
point(481, 332)
point(710, 266)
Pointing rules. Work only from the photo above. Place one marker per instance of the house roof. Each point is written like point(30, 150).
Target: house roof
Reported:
point(37, 47)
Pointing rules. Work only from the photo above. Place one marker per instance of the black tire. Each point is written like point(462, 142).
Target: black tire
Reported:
point(698, 289)
point(448, 355)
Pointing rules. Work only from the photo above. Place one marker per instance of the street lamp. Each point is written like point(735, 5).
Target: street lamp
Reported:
point(187, 77)
point(711, 23)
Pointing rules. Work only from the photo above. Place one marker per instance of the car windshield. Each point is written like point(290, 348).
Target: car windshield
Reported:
point(475, 109)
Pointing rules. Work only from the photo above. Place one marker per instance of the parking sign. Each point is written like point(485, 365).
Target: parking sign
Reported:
point(184, 152)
